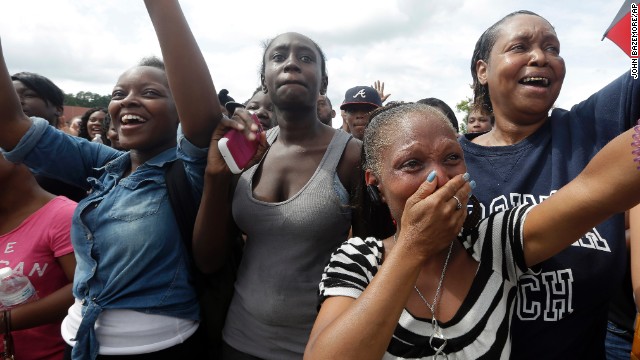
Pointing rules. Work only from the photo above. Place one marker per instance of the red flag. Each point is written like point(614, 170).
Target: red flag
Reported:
point(620, 30)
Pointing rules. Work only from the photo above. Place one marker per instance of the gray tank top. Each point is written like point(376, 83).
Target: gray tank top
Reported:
point(288, 245)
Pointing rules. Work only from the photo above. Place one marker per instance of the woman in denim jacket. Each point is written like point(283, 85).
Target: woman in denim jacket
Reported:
point(132, 285)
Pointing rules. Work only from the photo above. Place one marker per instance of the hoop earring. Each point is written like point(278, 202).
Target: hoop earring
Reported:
point(374, 194)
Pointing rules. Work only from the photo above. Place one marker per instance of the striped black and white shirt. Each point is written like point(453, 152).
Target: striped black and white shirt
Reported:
point(480, 328)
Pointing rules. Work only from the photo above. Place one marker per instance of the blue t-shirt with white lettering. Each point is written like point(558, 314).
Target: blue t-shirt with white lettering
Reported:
point(561, 312)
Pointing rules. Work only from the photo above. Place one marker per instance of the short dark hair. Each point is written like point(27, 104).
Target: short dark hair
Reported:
point(152, 61)
point(437, 103)
point(45, 88)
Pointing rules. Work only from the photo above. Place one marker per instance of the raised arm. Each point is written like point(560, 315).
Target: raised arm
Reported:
point(609, 184)
point(214, 224)
point(189, 78)
point(214, 227)
point(13, 122)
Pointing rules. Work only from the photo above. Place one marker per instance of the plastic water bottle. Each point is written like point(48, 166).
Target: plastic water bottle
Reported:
point(15, 289)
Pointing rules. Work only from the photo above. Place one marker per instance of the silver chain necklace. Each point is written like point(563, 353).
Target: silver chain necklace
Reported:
point(437, 331)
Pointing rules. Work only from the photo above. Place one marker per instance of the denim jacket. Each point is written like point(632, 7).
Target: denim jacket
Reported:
point(126, 240)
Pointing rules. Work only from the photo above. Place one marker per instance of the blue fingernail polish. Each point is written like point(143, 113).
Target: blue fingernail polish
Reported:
point(466, 176)
point(432, 175)
point(472, 183)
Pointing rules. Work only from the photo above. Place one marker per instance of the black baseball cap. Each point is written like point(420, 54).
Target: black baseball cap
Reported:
point(361, 95)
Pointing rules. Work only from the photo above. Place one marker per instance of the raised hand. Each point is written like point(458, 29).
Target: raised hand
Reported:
point(379, 86)
point(242, 122)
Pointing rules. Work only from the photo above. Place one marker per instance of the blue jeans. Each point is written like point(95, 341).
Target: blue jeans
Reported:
point(617, 345)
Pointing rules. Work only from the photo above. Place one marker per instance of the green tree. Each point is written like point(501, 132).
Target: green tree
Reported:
point(87, 99)
point(464, 106)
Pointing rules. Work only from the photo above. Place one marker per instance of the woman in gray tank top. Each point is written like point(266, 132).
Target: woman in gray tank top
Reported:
point(293, 205)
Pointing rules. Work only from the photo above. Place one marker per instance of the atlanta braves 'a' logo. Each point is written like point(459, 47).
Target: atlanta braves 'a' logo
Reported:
point(361, 93)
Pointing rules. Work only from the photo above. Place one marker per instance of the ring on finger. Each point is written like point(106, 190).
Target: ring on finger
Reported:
point(459, 204)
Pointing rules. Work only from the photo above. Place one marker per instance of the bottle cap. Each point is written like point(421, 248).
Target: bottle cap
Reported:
point(5, 271)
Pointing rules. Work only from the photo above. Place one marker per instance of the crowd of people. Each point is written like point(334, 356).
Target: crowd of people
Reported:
point(394, 236)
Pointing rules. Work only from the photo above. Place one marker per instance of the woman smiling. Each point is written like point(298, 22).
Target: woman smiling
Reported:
point(531, 152)
point(134, 292)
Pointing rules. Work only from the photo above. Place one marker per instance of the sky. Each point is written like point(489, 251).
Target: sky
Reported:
point(418, 48)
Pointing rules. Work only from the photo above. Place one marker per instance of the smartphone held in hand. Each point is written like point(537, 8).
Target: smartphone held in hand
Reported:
point(237, 150)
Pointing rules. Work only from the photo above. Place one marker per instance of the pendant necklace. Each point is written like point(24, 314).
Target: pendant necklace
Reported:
point(437, 331)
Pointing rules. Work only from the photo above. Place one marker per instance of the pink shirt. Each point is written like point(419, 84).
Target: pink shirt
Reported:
point(32, 249)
